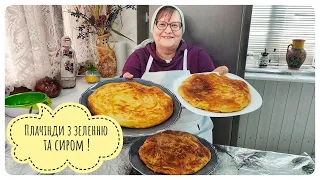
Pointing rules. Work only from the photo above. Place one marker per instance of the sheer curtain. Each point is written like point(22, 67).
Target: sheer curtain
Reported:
point(84, 48)
point(33, 36)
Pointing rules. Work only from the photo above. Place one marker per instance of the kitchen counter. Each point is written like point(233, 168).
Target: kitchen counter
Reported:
point(232, 160)
point(281, 73)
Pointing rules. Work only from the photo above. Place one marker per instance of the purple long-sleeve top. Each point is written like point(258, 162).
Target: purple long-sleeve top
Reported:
point(198, 60)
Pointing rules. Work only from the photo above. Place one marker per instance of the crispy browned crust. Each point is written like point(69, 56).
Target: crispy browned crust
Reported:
point(174, 152)
point(132, 104)
point(215, 93)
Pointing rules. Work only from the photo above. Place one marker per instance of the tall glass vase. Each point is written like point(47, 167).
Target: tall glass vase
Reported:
point(107, 64)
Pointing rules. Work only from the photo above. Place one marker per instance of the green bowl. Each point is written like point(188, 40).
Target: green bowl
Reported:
point(21, 103)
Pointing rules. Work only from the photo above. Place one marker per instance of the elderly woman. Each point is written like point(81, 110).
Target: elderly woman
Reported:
point(168, 57)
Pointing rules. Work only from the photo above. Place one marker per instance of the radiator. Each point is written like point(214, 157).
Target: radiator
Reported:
point(286, 120)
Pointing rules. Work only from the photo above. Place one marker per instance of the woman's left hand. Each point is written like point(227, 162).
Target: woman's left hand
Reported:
point(222, 70)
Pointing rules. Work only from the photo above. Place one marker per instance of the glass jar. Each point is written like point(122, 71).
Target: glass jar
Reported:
point(92, 76)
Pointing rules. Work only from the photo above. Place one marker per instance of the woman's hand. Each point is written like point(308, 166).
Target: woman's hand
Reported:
point(127, 75)
point(222, 70)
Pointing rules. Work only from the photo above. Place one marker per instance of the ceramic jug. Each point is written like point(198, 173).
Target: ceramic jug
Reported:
point(296, 55)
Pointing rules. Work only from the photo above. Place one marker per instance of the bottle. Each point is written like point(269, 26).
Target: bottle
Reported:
point(68, 64)
point(263, 61)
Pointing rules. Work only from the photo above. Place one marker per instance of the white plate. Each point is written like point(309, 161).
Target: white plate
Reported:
point(256, 100)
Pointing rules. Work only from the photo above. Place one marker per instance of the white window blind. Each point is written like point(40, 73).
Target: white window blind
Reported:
point(274, 27)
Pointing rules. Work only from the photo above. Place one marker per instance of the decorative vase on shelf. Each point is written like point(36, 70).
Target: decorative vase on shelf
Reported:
point(91, 74)
point(296, 56)
point(107, 64)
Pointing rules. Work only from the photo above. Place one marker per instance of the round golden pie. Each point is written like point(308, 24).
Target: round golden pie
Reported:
point(215, 93)
point(132, 104)
point(174, 152)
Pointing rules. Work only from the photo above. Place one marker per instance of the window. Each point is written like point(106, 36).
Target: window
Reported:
point(273, 27)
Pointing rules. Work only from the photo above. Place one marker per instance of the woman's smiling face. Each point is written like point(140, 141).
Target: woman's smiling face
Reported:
point(167, 38)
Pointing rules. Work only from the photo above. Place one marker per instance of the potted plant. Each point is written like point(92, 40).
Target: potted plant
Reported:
point(92, 75)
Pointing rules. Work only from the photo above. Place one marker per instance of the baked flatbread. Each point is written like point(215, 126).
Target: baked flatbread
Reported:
point(215, 93)
point(174, 152)
point(132, 104)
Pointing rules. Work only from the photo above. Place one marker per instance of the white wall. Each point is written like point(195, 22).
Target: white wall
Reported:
point(129, 28)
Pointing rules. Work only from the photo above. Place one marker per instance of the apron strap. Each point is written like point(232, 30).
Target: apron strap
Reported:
point(149, 64)
point(185, 54)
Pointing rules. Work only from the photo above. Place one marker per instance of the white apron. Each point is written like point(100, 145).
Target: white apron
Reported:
point(188, 121)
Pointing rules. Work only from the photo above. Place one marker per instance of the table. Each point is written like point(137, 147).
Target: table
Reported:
point(232, 160)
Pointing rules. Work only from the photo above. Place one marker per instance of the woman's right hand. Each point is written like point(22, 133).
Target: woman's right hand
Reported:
point(127, 75)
